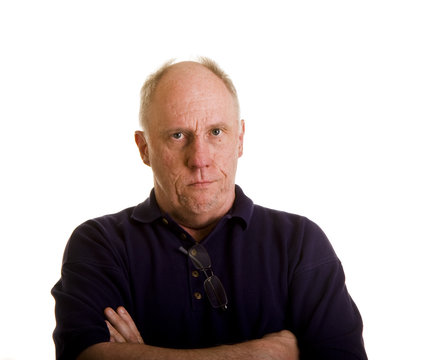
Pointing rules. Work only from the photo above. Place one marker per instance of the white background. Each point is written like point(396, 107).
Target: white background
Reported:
point(331, 92)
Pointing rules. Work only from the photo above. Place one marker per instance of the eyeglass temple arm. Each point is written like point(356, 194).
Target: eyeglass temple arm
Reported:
point(182, 250)
point(197, 263)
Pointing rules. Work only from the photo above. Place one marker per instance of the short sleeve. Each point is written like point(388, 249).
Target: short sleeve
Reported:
point(92, 278)
point(325, 318)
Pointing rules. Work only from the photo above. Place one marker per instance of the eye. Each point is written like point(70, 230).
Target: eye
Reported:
point(177, 135)
point(216, 132)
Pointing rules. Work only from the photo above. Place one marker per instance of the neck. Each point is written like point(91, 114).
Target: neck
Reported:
point(199, 234)
point(198, 221)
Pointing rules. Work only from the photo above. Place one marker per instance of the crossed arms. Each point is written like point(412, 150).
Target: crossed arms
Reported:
point(127, 343)
point(321, 313)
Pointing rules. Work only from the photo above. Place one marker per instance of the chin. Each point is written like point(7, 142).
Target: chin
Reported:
point(203, 201)
point(199, 205)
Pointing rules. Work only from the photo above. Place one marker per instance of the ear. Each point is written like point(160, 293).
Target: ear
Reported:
point(140, 139)
point(241, 138)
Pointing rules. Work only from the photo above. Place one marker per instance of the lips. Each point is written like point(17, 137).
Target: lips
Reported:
point(201, 183)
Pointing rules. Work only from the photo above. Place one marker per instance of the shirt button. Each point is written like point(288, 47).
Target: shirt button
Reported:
point(164, 220)
point(198, 295)
point(183, 236)
point(195, 274)
point(193, 252)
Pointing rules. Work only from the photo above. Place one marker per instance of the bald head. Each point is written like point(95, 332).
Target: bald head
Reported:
point(195, 78)
point(192, 140)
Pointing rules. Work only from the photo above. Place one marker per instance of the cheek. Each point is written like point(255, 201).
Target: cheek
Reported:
point(229, 150)
point(166, 163)
point(167, 158)
point(227, 161)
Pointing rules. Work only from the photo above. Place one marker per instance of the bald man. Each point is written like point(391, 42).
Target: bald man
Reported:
point(197, 271)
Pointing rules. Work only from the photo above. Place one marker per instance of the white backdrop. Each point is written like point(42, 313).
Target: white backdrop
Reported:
point(331, 92)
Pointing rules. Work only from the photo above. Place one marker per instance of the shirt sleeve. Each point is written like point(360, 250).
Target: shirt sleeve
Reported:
point(325, 319)
point(92, 278)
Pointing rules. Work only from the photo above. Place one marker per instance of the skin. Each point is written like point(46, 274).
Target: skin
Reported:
point(192, 142)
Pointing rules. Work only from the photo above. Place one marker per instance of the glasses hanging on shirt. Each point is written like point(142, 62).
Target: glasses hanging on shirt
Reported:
point(212, 285)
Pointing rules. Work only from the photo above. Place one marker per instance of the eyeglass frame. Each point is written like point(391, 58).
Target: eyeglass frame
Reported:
point(221, 298)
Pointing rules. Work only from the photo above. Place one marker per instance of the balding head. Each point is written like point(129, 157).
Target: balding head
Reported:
point(183, 74)
point(192, 140)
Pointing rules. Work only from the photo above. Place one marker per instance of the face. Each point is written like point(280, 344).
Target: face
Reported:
point(193, 142)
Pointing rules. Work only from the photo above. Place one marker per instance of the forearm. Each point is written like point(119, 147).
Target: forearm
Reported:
point(126, 343)
point(263, 349)
point(125, 351)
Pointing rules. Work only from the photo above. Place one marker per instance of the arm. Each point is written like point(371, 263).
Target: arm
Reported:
point(126, 343)
point(325, 319)
point(91, 279)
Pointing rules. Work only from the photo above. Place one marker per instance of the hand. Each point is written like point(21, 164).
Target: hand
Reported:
point(121, 327)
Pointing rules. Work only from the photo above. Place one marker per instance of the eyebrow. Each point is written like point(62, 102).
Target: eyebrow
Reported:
point(171, 130)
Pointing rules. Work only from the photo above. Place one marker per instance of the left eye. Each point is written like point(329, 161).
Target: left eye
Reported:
point(216, 132)
point(177, 135)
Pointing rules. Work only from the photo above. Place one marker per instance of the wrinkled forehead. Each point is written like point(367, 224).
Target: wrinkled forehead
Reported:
point(189, 89)
point(188, 81)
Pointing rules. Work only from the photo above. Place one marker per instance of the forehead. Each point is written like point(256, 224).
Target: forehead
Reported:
point(190, 92)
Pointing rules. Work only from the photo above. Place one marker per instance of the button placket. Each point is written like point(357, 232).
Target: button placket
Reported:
point(197, 288)
point(196, 281)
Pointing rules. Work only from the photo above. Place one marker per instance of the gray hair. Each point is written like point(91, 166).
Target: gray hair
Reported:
point(153, 80)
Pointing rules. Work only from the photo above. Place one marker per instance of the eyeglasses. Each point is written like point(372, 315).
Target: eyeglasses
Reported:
point(212, 285)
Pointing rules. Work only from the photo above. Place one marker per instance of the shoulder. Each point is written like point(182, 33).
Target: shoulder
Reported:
point(107, 222)
point(99, 236)
point(286, 222)
point(270, 216)
point(304, 240)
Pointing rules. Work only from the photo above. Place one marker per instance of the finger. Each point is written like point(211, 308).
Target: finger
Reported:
point(114, 334)
point(128, 319)
point(117, 323)
point(121, 322)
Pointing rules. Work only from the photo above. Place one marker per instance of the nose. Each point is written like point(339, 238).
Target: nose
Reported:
point(198, 153)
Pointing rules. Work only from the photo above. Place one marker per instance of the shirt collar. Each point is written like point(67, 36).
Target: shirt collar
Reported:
point(242, 209)
point(147, 211)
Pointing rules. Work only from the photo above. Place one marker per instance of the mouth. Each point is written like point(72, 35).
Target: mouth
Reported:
point(201, 183)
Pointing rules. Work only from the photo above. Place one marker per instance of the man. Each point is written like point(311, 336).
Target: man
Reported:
point(198, 271)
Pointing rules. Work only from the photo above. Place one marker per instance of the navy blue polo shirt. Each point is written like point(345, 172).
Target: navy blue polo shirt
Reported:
point(278, 269)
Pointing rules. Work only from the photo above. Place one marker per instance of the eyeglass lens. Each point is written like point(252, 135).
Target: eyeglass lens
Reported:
point(215, 292)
